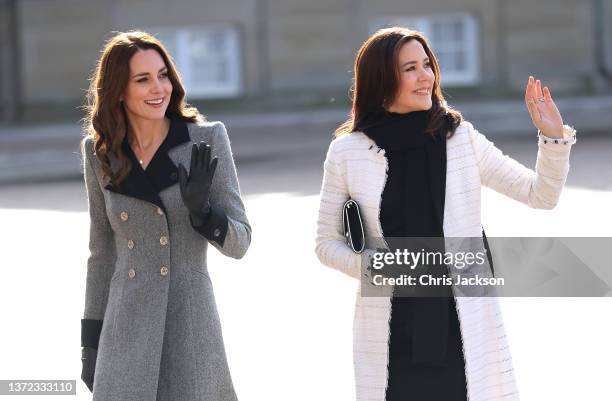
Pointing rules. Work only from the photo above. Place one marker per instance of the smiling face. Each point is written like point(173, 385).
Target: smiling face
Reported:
point(416, 79)
point(149, 89)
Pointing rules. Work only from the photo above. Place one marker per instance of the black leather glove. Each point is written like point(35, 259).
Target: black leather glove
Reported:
point(88, 357)
point(195, 188)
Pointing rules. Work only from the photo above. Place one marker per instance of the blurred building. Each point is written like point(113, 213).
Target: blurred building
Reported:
point(295, 53)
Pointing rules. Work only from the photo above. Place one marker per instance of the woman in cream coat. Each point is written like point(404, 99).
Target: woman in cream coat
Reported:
point(355, 167)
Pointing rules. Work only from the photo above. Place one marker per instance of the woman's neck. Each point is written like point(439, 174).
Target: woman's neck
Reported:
point(399, 110)
point(145, 134)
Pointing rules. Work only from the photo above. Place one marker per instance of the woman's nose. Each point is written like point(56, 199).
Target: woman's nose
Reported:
point(426, 75)
point(157, 86)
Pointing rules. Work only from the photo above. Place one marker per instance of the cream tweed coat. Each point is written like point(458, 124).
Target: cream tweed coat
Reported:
point(355, 167)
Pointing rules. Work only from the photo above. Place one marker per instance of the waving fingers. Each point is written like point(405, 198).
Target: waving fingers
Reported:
point(531, 99)
point(547, 95)
point(539, 95)
point(194, 158)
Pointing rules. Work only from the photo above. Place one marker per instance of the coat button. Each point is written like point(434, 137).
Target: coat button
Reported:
point(173, 176)
point(124, 216)
point(217, 232)
point(131, 244)
point(131, 273)
point(160, 211)
point(163, 271)
point(163, 240)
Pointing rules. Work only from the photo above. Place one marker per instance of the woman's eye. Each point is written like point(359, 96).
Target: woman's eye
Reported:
point(427, 65)
point(141, 80)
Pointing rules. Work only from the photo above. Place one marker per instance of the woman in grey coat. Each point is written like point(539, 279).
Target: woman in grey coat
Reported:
point(150, 329)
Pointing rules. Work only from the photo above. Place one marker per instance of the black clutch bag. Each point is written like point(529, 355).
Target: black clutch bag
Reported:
point(353, 226)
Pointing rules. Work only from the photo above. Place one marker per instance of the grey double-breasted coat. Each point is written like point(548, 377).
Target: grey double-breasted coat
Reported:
point(147, 280)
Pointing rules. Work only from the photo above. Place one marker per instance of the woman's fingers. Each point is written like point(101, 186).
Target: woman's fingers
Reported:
point(201, 158)
point(200, 155)
point(534, 112)
point(213, 167)
point(533, 92)
point(530, 99)
point(541, 106)
point(205, 156)
point(527, 90)
point(539, 89)
point(547, 95)
point(194, 158)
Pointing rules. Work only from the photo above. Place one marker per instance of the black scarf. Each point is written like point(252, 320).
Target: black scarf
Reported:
point(413, 206)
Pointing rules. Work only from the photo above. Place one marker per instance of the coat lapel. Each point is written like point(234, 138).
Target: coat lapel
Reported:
point(161, 172)
point(180, 152)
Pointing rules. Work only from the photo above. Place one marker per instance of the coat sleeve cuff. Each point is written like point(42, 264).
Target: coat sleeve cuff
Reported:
point(215, 228)
point(569, 138)
point(90, 332)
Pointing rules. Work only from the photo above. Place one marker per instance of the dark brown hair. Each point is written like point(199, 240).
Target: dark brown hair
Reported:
point(375, 83)
point(106, 119)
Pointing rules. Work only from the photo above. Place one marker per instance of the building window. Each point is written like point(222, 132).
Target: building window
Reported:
point(454, 40)
point(209, 59)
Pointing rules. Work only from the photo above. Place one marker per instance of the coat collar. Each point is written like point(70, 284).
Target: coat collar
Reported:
point(161, 172)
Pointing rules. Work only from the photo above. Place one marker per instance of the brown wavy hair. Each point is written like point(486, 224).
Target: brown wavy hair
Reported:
point(376, 82)
point(106, 121)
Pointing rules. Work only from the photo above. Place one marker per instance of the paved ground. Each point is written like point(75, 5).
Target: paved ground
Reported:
point(287, 319)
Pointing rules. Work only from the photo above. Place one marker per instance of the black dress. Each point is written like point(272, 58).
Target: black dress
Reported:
point(425, 351)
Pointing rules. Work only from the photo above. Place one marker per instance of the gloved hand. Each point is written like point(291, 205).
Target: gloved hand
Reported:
point(195, 188)
point(88, 357)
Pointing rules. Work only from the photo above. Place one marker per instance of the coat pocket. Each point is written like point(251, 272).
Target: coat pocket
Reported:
point(115, 275)
point(201, 271)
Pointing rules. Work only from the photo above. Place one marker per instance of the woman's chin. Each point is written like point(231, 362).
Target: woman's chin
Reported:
point(425, 107)
point(156, 115)
point(422, 105)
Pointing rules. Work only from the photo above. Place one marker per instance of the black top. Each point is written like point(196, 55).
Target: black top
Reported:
point(161, 172)
point(412, 205)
